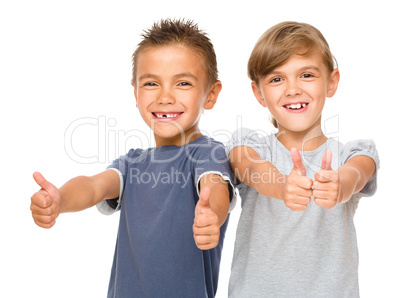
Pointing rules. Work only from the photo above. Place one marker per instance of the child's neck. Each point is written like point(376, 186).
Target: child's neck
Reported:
point(304, 141)
point(178, 140)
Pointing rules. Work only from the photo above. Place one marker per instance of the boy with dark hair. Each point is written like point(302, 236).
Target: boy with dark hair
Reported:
point(174, 198)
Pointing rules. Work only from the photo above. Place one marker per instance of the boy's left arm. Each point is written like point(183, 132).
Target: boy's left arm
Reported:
point(211, 211)
point(335, 187)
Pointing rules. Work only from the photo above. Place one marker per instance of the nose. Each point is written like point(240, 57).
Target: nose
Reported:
point(165, 97)
point(292, 88)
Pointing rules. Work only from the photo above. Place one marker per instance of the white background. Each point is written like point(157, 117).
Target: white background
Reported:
point(64, 61)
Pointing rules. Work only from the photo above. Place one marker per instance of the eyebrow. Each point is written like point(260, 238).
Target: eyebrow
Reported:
point(177, 76)
point(147, 76)
point(186, 74)
point(308, 67)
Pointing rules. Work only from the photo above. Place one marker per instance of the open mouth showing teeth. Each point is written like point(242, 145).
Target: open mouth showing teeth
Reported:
point(296, 106)
point(166, 115)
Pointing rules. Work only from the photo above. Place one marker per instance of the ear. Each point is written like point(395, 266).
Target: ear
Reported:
point(135, 94)
point(333, 83)
point(212, 96)
point(258, 94)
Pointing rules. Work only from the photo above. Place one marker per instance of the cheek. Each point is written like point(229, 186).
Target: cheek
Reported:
point(195, 103)
point(272, 97)
point(272, 106)
point(142, 109)
point(143, 101)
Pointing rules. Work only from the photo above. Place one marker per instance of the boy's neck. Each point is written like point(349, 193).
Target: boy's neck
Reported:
point(178, 140)
point(304, 141)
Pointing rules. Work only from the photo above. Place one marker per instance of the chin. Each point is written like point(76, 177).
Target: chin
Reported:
point(297, 128)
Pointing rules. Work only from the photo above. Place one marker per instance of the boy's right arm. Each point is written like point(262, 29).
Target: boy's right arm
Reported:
point(294, 189)
point(77, 194)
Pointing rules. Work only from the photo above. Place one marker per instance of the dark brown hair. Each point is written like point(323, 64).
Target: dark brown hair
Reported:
point(179, 32)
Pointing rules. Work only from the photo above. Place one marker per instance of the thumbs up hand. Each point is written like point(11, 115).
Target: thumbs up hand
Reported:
point(206, 226)
point(297, 189)
point(326, 187)
point(45, 204)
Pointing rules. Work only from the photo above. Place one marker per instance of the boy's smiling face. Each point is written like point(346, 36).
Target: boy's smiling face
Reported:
point(295, 92)
point(171, 92)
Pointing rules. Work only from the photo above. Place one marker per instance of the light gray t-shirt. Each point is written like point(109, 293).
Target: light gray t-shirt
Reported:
point(282, 253)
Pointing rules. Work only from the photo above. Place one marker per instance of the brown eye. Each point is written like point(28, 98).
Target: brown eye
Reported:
point(276, 80)
point(307, 75)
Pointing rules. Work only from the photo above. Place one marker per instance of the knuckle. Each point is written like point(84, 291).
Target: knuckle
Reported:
point(36, 199)
point(36, 217)
point(48, 212)
point(47, 219)
point(48, 226)
point(215, 219)
point(290, 189)
point(291, 178)
point(337, 188)
point(43, 225)
point(45, 202)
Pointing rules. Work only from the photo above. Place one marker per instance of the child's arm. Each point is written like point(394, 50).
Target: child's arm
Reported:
point(77, 194)
point(248, 166)
point(336, 187)
point(294, 189)
point(211, 211)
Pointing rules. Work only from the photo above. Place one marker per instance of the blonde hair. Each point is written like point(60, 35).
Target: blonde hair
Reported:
point(282, 41)
point(179, 32)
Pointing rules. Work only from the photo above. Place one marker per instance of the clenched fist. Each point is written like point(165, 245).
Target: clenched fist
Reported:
point(297, 190)
point(326, 187)
point(45, 204)
point(206, 226)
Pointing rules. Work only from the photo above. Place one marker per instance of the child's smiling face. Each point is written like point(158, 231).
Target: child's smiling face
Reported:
point(295, 92)
point(171, 92)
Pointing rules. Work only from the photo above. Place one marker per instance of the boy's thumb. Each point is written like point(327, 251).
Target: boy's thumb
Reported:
point(297, 162)
point(42, 182)
point(203, 202)
point(204, 197)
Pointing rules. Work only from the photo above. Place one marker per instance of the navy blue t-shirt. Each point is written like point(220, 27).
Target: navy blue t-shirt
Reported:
point(156, 255)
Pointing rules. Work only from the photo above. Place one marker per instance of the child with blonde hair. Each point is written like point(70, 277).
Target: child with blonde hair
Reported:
point(299, 189)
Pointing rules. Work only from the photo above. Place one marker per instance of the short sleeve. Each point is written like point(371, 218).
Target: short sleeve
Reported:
point(249, 138)
point(212, 159)
point(110, 206)
point(366, 148)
